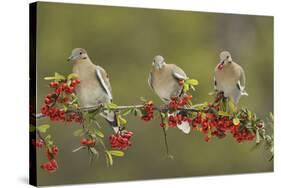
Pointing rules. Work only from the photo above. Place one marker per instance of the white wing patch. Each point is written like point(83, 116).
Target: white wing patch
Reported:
point(184, 127)
point(179, 76)
point(215, 83)
point(102, 82)
point(150, 81)
point(242, 89)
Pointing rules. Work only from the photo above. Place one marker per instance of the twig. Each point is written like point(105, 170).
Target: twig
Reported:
point(41, 137)
point(165, 134)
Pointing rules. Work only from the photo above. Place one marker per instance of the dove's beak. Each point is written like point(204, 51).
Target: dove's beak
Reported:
point(220, 67)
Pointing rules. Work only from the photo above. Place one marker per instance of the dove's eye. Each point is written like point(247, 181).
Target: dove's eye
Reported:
point(80, 53)
point(227, 57)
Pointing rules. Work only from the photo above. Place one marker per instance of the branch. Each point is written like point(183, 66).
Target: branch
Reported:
point(102, 107)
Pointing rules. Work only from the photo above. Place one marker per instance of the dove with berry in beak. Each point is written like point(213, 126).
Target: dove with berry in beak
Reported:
point(230, 78)
point(166, 80)
point(95, 87)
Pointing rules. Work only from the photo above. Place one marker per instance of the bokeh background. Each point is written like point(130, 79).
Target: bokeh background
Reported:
point(124, 42)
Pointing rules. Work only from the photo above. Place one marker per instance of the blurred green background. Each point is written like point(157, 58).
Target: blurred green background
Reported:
point(124, 42)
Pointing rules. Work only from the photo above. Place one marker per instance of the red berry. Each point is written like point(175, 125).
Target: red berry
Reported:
point(54, 84)
point(64, 86)
point(91, 142)
point(70, 89)
point(83, 141)
point(48, 100)
point(162, 124)
point(45, 109)
point(55, 150)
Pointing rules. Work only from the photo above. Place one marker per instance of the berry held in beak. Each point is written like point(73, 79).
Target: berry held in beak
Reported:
point(220, 67)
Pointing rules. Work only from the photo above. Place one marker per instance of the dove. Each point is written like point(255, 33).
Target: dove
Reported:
point(95, 87)
point(230, 78)
point(165, 80)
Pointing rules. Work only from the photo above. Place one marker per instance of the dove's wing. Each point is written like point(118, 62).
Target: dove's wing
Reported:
point(150, 80)
point(242, 80)
point(104, 81)
point(178, 73)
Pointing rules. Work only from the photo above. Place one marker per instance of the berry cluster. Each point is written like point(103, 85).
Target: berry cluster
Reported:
point(51, 152)
point(88, 142)
point(121, 140)
point(51, 165)
point(147, 113)
point(177, 119)
point(217, 126)
point(37, 143)
point(177, 102)
point(62, 95)
point(174, 104)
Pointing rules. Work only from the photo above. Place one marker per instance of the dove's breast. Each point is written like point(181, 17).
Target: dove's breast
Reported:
point(227, 79)
point(164, 84)
point(89, 91)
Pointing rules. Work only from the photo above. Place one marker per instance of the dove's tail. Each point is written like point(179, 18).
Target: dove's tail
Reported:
point(244, 93)
point(184, 126)
point(237, 94)
point(111, 118)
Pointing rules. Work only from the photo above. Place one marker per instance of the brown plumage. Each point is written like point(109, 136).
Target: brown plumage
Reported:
point(164, 80)
point(230, 78)
point(95, 87)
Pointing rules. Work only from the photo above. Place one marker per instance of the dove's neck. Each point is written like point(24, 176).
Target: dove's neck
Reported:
point(81, 65)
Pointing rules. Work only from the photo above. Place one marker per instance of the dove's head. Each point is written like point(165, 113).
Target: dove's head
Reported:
point(78, 54)
point(158, 62)
point(225, 59)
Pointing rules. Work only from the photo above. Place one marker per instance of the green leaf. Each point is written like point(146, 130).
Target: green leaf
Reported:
point(48, 137)
point(231, 106)
point(117, 153)
point(212, 93)
point(49, 78)
point(127, 111)
point(192, 87)
point(59, 76)
point(72, 76)
point(99, 133)
point(94, 151)
point(43, 128)
point(121, 120)
point(79, 148)
point(78, 132)
point(185, 87)
point(48, 140)
point(222, 113)
point(192, 82)
point(163, 115)
point(143, 99)
point(137, 112)
point(111, 105)
point(257, 136)
point(236, 121)
point(65, 108)
point(249, 113)
point(109, 159)
point(97, 123)
point(99, 140)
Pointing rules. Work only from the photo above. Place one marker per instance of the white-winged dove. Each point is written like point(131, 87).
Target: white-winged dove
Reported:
point(230, 78)
point(164, 79)
point(95, 87)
